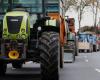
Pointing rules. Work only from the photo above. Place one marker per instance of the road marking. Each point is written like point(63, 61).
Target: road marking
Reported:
point(13, 68)
point(85, 56)
point(86, 60)
point(98, 70)
point(29, 62)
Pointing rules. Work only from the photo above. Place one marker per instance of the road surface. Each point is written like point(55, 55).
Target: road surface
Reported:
point(29, 71)
point(86, 67)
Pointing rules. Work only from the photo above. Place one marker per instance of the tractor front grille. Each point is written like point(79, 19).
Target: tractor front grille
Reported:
point(14, 24)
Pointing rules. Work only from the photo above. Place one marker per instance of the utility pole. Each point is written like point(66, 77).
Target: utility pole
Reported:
point(80, 15)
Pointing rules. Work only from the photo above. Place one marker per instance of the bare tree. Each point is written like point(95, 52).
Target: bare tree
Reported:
point(70, 3)
point(95, 6)
point(81, 4)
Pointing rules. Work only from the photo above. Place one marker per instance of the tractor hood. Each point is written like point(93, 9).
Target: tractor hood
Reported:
point(16, 25)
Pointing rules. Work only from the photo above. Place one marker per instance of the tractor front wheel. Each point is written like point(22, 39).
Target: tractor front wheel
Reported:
point(49, 51)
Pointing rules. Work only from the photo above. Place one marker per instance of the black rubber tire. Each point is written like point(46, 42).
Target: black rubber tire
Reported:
point(3, 68)
point(49, 48)
point(17, 65)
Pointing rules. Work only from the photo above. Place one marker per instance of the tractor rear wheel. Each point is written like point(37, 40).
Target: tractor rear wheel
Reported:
point(3, 68)
point(49, 48)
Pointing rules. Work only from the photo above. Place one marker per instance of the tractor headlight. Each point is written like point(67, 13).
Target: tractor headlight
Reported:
point(18, 36)
point(39, 28)
point(5, 36)
point(9, 36)
point(22, 30)
point(23, 36)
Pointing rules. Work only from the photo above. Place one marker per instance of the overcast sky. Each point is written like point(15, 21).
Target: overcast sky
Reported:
point(87, 18)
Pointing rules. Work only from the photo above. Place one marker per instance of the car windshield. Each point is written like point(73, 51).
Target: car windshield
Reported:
point(83, 37)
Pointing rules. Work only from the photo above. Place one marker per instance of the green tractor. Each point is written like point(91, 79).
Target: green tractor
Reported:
point(18, 45)
point(39, 42)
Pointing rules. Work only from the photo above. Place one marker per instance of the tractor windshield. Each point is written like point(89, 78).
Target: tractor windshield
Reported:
point(32, 6)
point(3, 6)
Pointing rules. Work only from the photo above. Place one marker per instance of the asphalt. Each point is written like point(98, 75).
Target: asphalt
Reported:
point(86, 67)
point(30, 71)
